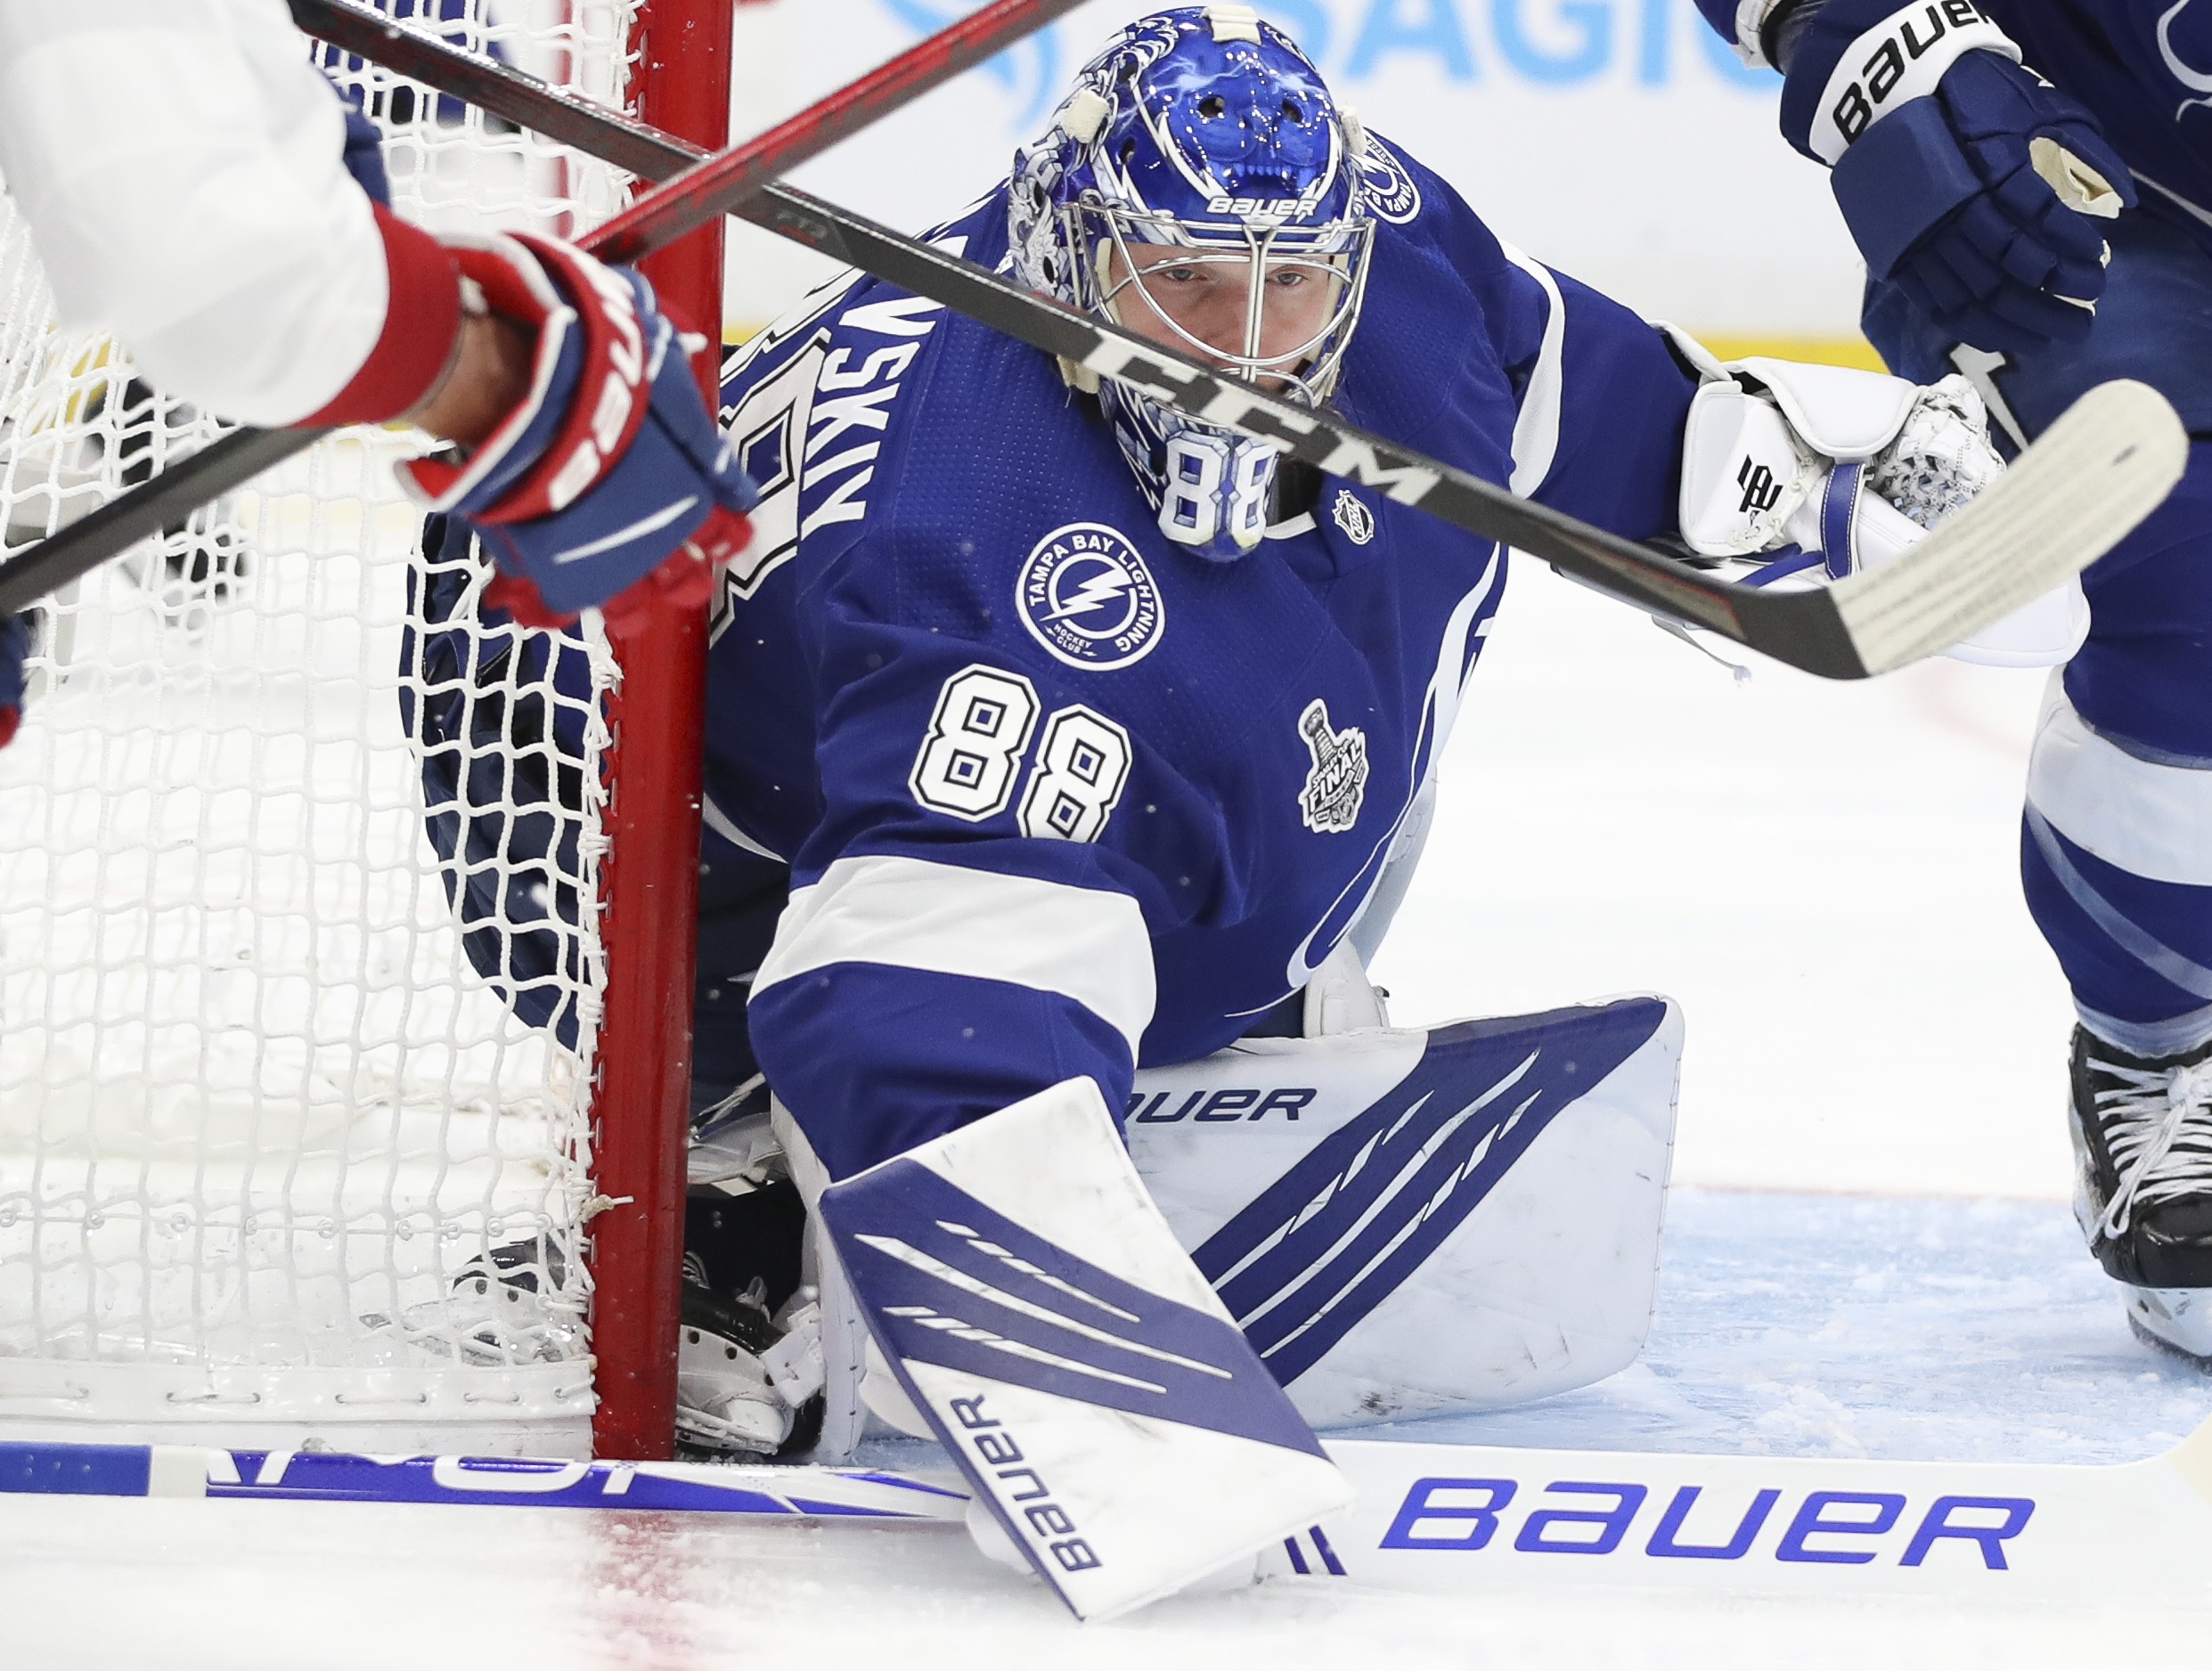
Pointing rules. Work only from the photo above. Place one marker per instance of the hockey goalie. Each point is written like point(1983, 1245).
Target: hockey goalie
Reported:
point(1066, 760)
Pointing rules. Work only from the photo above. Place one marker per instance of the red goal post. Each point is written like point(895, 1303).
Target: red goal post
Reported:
point(681, 51)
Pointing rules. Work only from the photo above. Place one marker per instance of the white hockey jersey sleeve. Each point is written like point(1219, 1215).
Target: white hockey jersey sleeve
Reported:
point(180, 166)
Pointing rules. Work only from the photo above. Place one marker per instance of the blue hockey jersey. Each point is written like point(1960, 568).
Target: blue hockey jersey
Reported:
point(1058, 794)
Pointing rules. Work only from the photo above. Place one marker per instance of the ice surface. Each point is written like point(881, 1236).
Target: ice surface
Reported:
point(234, 1587)
point(1793, 1324)
point(1788, 1323)
point(1842, 1325)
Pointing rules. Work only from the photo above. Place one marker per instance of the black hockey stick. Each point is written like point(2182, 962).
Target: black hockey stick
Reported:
point(161, 505)
point(2095, 474)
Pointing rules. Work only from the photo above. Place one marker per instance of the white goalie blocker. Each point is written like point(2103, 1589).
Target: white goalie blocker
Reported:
point(1404, 1222)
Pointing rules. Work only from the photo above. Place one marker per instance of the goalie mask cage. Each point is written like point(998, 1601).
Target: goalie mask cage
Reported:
point(262, 1121)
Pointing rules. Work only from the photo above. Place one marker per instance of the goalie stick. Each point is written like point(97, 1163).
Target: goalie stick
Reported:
point(1448, 1518)
point(161, 505)
point(2094, 474)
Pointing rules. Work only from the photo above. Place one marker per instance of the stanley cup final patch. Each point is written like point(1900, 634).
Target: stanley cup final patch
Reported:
point(1330, 801)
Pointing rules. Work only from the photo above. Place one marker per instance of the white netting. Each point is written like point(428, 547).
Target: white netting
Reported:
point(258, 1110)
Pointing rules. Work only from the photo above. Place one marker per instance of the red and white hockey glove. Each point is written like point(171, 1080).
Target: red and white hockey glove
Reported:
point(15, 647)
point(609, 486)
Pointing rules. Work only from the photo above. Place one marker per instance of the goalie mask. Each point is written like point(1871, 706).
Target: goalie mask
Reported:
point(1201, 188)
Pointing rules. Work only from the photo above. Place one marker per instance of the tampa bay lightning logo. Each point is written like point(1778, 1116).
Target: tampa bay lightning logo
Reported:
point(1086, 595)
point(1391, 193)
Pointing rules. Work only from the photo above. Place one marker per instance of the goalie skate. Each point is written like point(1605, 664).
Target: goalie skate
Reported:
point(726, 1403)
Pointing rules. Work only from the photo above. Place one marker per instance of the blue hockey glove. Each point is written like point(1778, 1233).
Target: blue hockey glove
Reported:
point(1967, 180)
point(15, 647)
point(609, 486)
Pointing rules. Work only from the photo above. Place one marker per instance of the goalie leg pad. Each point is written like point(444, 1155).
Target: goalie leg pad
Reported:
point(1410, 1223)
point(1080, 1372)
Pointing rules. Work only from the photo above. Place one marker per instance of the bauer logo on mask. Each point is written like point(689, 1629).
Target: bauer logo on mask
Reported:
point(1086, 595)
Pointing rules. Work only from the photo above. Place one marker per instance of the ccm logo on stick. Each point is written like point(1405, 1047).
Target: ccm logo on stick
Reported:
point(1588, 1517)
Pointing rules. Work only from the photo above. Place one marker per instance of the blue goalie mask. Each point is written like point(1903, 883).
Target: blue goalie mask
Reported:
point(1201, 188)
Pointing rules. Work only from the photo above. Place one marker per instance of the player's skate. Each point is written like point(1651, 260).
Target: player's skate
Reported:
point(504, 1306)
point(509, 1305)
point(2142, 1139)
point(1036, 1310)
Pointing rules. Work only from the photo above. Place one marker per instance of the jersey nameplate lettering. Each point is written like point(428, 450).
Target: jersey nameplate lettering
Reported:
point(807, 425)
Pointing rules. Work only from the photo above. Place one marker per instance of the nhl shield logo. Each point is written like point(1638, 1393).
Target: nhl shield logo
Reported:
point(1330, 801)
point(1351, 514)
point(1085, 594)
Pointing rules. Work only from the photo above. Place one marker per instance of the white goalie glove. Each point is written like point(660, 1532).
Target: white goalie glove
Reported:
point(1808, 474)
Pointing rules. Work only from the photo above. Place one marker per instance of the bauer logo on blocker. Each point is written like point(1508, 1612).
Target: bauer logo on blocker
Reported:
point(1086, 595)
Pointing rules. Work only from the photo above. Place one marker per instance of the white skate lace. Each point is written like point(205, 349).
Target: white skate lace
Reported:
point(2157, 1126)
point(1941, 458)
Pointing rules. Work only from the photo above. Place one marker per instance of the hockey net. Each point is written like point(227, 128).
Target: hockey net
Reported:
point(262, 1121)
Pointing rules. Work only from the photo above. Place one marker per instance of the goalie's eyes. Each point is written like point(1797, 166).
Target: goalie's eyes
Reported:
point(1179, 272)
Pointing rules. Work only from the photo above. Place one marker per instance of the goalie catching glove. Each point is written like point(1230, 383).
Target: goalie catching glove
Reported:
point(608, 485)
point(1813, 473)
point(1968, 180)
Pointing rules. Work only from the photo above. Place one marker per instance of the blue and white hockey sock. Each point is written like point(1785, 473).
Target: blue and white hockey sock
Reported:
point(1095, 1393)
point(2116, 856)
